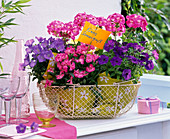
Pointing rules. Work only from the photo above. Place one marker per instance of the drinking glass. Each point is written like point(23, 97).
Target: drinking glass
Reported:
point(10, 85)
point(23, 89)
point(44, 113)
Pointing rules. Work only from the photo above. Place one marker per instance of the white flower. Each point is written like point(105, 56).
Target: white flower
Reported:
point(120, 96)
point(52, 61)
point(84, 95)
point(104, 78)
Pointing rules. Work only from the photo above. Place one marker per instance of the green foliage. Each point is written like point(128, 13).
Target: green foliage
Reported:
point(157, 14)
point(9, 8)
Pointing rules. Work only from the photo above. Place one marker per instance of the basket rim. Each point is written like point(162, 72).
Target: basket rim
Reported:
point(78, 85)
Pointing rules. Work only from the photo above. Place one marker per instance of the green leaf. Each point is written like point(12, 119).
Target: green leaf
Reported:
point(168, 70)
point(1, 67)
point(3, 3)
point(10, 20)
point(22, 1)
point(8, 4)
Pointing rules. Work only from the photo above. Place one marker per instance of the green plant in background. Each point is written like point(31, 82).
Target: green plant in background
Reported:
point(9, 8)
point(158, 32)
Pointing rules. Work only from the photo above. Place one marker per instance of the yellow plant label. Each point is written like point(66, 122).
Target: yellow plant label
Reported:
point(51, 64)
point(93, 35)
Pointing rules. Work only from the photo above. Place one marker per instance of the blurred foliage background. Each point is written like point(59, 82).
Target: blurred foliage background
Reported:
point(157, 13)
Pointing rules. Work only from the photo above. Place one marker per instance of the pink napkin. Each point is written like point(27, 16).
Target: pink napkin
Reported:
point(62, 130)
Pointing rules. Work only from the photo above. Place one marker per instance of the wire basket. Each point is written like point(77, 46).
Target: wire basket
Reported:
point(90, 101)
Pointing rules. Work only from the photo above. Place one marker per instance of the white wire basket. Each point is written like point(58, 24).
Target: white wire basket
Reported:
point(90, 101)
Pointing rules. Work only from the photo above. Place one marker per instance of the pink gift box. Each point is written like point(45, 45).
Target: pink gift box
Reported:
point(148, 105)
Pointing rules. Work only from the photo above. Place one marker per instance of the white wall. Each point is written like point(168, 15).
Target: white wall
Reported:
point(42, 12)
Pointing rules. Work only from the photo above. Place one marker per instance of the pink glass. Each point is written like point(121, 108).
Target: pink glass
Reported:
point(10, 85)
point(23, 89)
point(25, 103)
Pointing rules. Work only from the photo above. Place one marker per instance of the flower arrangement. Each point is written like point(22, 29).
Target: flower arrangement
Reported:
point(62, 60)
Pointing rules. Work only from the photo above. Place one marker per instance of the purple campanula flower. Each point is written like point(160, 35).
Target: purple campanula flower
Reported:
point(41, 57)
point(58, 45)
point(34, 56)
point(37, 49)
point(116, 61)
point(26, 60)
point(48, 54)
point(40, 39)
point(34, 127)
point(44, 43)
point(29, 49)
point(110, 45)
point(126, 74)
point(22, 66)
point(149, 65)
point(29, 42)
point(33, 63)
point(124, 49)
point(21, 128)
point(103, 59)
point(51, 40)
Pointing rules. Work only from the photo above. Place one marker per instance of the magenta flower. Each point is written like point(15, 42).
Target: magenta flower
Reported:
point(34, 127)
point(48, 83)
point(20, 128)
point(136, 21)
point(78, 74)
point(89, 58)
point(155, 54)
point(126, 74)
point(91, 68)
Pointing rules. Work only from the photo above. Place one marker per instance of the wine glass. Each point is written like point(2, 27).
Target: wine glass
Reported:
point(44, 113)
point(23, 89)
point(10, 85)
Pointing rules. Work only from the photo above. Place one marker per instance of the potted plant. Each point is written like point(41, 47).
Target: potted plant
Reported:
point(91, 82)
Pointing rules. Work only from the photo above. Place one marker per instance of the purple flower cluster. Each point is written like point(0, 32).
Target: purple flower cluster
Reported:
point(126, 57)
point(42, 51)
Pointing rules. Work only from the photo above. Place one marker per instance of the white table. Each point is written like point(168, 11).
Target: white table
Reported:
point(129, 126)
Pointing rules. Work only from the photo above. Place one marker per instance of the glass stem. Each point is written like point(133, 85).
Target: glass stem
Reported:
point(7, 111)
point(18, 102)
point(0, 107)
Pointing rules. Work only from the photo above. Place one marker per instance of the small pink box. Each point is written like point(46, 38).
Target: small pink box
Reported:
point(148, 105)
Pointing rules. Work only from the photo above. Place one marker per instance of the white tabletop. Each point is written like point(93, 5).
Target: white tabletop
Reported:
point(130, 119)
